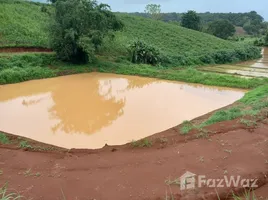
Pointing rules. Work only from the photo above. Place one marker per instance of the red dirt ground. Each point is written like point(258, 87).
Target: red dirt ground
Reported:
point(124, 172)
point(23, 49)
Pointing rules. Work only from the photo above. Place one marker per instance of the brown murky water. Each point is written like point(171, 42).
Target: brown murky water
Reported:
point(256, 68)
point(90, 110)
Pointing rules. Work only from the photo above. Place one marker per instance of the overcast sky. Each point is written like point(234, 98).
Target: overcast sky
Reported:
point(261, 6)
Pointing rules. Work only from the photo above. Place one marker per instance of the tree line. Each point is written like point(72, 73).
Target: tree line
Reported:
point(252, 22)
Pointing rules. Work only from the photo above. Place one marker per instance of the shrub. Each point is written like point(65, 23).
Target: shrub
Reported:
point(143, 53)
point(259, 42)
point(266, 39)
point(16, 74)
point(27, 60)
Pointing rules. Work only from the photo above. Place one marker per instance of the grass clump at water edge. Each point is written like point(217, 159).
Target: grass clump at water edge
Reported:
point(4, 139)
point(141, 143)
point(25, 145)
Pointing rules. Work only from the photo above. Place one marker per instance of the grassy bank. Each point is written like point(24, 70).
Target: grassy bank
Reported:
point(28, 66)
point(248, 109)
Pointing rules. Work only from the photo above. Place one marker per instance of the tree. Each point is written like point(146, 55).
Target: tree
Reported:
point(266, 39)
point(191, 20)
point(154, 10)
point(221, 28)
point(79, 27)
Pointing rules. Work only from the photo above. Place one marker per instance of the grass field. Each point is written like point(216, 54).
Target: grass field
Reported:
point(23, 24)
point(173, 41)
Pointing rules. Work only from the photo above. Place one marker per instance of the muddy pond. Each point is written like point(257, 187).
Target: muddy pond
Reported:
point(255, 68)
point(91, 110)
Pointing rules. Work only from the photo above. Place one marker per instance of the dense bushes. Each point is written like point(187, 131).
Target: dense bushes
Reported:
point(17, 74)
point(23, 67)
point(26, 60)
point(262, 41)
point(218, 57)
point(79, 27)
point(143, 53)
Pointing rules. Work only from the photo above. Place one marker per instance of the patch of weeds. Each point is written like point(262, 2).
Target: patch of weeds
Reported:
point(203, 133)
point(4, 139)
point(38, 148)
point(142, 143)
point(28, 172)
point(163, 140)
point(223, 115)
point(248, 123)
point(24, 145)
point(187, 126)
point(5, 195)
point(248, 195)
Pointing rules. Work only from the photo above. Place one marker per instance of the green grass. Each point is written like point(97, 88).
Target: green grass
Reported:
point(6, 195)
point(186, 127)
point(3, 138)
point(25, 145)
point(223, 115)
point(250, 105)
point(23, 24)
point(141, 143)
point(179, 46)
point(248, 123)
point(18, 68)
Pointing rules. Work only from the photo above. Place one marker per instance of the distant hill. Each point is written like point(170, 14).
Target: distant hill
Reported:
point(251, 21)
point(24, 24)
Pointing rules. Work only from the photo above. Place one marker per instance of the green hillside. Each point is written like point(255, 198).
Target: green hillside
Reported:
point(23, 24)
point(181, 45)
point(26, 24)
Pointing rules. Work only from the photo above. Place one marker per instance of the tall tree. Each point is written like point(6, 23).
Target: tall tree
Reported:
point(79, 27)
point(154, 11)
point(221, 28)
point(191, 20)
point(266, 39)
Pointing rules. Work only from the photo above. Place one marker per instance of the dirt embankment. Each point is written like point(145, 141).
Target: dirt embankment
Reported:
point(23, 49)
point(125, 172)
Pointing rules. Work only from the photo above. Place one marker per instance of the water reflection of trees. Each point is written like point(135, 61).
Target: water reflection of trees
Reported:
point(83, 109)
point(98, 108)
point(80, 104)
